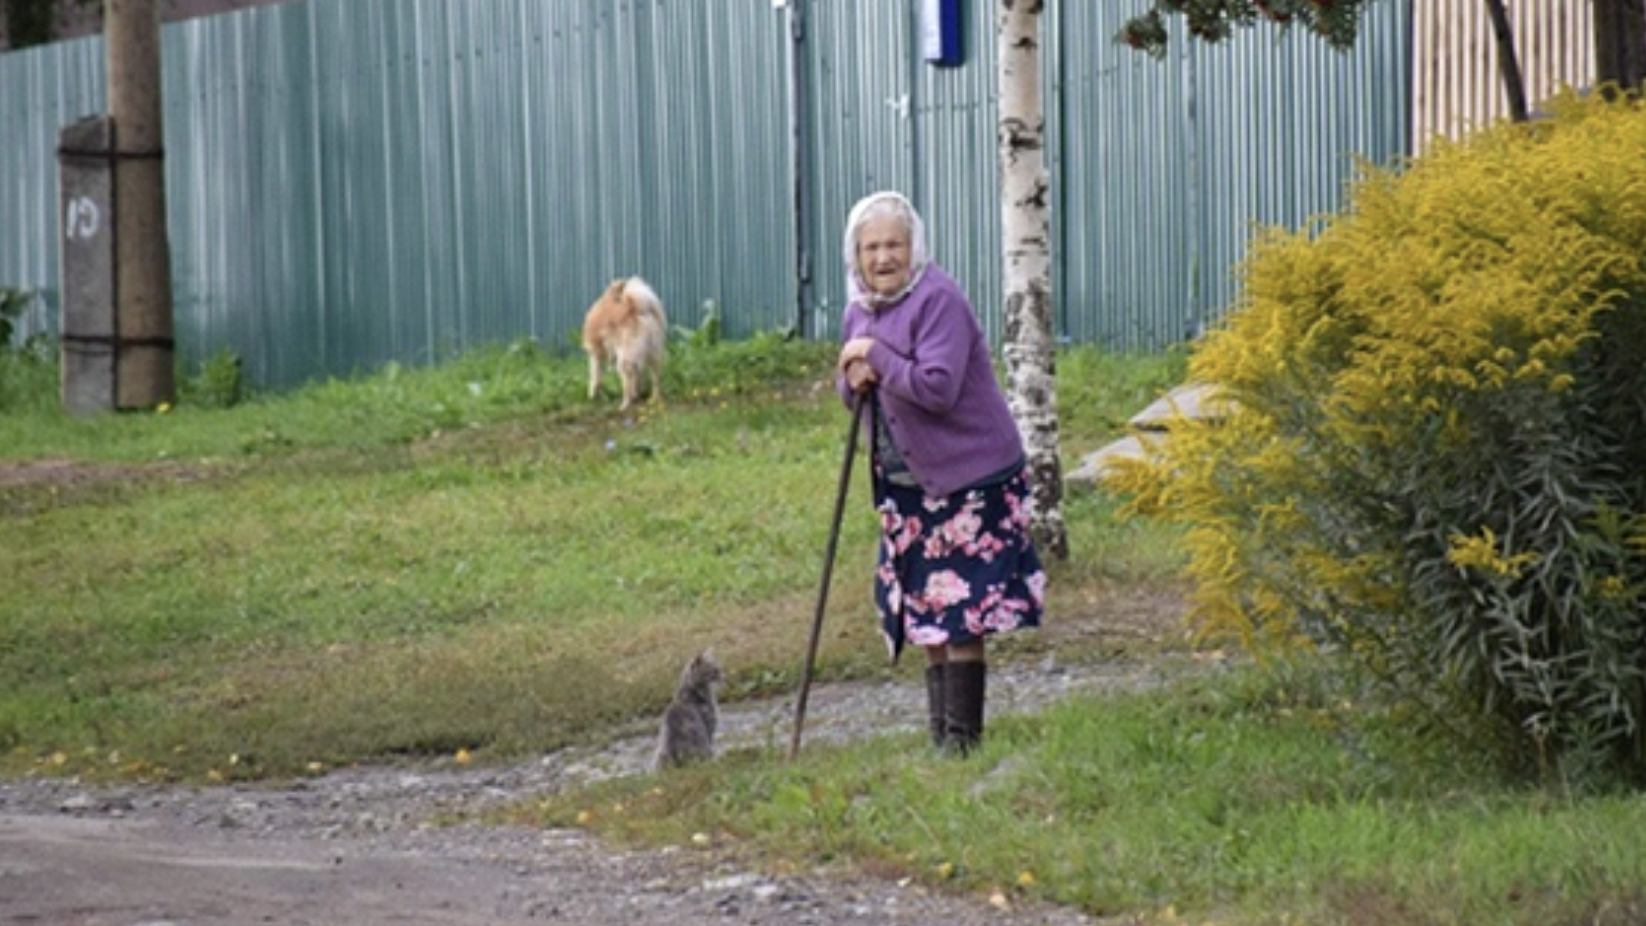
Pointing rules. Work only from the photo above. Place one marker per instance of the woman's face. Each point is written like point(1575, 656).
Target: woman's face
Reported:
point(883, 255)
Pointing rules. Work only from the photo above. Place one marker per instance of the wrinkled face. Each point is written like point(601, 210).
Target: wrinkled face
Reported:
point(883, 255)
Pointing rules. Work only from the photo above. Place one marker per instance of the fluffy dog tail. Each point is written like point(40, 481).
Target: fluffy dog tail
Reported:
point(644, 299)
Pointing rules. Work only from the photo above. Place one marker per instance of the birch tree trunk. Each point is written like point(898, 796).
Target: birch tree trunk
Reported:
point(1030, 348)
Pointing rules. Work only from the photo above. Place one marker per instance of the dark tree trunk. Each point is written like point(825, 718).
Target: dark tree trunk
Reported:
point(1620, 43)
point(1508, 60)
point(28, 22)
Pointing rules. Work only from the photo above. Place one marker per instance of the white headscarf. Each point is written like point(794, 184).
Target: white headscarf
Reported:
point(879, 206)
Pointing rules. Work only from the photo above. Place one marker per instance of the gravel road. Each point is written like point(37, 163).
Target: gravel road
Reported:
point(364, 846)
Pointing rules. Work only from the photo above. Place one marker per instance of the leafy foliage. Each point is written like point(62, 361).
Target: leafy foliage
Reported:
point(26, 367)
point(1336, 21)
point(28, 22)
point(221, 383)
point(13, 303)
point(1433, 466)
point(34, 22)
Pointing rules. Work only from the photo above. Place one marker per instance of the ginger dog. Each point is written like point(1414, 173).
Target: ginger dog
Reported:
point(626, 329)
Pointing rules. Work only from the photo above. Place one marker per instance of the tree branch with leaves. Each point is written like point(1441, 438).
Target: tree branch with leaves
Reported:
point(1618, 27)
point(34, 22)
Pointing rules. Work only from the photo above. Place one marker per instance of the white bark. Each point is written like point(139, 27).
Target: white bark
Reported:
point(1030, 347)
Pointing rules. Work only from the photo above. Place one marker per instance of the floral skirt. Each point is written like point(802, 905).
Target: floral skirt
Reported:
point(953, 570)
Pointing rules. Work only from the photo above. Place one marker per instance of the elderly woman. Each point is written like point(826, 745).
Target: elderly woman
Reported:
point(956, 561)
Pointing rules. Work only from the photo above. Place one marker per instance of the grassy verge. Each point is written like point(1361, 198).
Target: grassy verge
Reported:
point(1236, 798)
point(416, 562)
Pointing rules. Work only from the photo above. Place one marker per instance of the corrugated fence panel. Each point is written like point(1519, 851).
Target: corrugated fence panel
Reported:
point(1167, 165)
point(745, 214)
point(858, 131)
point(357, 181)
point(883, 118)
point(569, 228)
point(1457, 87)
point(955, 174)
point(370, 181)
point(662, 163)
point(41, 90)
point(1283, 119)
point(1123, 188)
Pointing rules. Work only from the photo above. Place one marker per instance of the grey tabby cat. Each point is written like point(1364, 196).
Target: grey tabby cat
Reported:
point(687, 733)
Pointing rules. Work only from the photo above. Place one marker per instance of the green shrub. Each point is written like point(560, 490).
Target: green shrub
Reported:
point(28, 368)
point(221, 383)
point(1436, 463)
point(13, 303)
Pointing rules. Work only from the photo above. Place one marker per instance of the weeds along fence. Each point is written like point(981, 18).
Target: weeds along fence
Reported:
point(356, 181)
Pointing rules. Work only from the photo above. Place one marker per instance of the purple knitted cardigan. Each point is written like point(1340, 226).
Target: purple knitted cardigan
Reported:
point(938, 392)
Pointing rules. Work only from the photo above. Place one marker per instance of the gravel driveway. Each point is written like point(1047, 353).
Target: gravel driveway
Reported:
point(361, 846)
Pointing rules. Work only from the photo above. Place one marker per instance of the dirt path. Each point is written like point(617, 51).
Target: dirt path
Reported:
point(360, 846)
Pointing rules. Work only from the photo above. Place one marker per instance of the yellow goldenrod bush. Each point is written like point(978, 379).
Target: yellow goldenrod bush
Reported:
point(1435, 462)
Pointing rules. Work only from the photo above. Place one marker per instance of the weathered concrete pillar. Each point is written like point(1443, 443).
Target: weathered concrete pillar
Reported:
point(90, 333)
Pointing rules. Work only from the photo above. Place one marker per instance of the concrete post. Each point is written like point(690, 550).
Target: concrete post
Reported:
point(90, 333)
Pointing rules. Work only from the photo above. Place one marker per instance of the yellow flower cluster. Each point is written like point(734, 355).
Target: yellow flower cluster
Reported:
point(1460, 299)
point(1483, 553)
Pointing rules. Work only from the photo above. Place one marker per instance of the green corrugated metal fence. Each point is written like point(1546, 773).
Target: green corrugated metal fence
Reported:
point(355, 181)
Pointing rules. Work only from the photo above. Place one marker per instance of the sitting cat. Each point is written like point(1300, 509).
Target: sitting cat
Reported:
point(687, 732)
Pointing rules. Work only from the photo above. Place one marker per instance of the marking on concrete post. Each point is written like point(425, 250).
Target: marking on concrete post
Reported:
point(84, 219)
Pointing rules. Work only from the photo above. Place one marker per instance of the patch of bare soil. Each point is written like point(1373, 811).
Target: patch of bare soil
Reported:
point(48, 473)
point(30, 485)
point(68, 474)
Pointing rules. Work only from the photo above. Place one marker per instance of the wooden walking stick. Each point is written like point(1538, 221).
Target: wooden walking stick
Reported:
point(858, 401)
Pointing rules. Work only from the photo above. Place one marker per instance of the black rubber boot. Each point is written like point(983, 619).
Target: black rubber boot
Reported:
point(936, 698)
point(964, 688)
